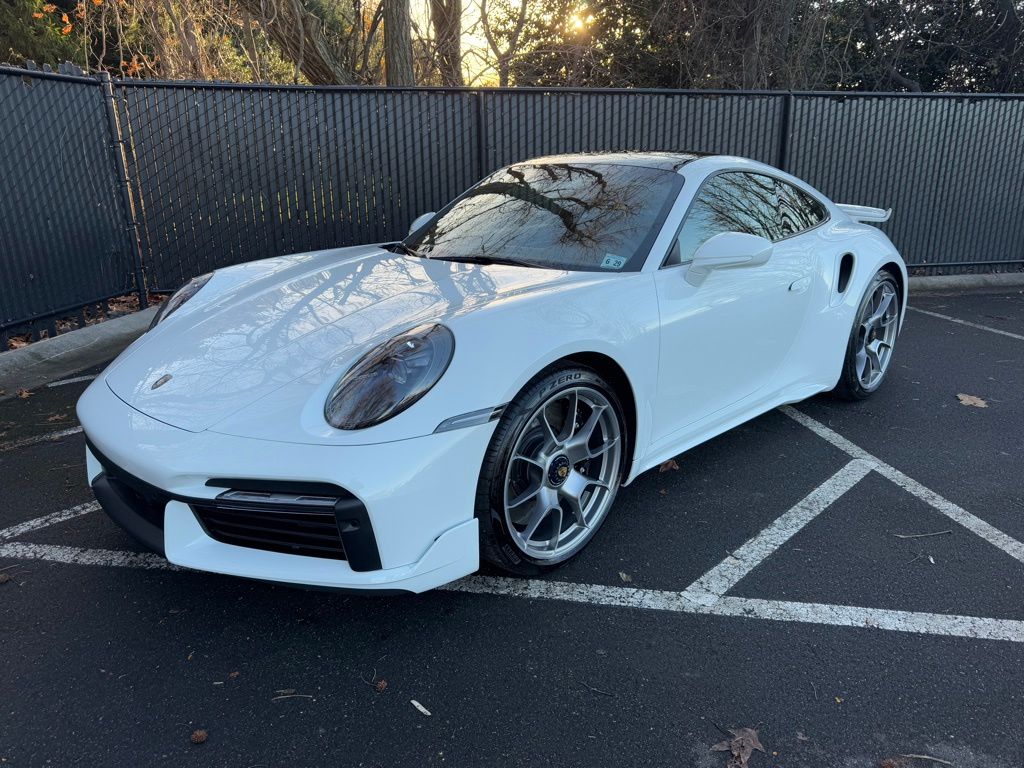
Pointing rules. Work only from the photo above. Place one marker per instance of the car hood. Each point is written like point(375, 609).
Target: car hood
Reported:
point(256, 327)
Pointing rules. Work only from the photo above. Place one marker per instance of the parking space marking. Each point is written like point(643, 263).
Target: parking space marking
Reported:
point(706, 596)
point(974, 627)
point(56, 553)
point(710, 587)
point(974, 524)
point(74, 380)
point(48, 437)
point(949, 625)
point(979, 326)
point(47, 520)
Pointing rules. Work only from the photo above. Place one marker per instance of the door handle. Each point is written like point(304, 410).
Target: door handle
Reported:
point(801, 285)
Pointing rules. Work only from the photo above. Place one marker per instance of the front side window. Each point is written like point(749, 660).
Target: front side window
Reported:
point(573, 216)
point(728, 202)
point(744, 202)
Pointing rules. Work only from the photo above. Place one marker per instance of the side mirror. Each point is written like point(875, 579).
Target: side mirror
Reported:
point(728, 250)
point(419, 221)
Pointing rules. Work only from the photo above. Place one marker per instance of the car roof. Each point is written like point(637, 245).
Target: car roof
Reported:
point(666, 161)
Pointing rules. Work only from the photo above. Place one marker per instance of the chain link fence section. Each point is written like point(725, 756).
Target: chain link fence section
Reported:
point(232, 173)
point(950, 167)
point(62, 222)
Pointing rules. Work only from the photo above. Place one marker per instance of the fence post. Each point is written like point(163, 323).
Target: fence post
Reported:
point(481, 139)
point(785, 132)
point(117, 143)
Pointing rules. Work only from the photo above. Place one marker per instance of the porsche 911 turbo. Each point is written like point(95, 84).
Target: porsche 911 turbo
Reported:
point(381, 417)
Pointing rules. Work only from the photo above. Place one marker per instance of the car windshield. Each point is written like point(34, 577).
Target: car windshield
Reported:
point(569, 215)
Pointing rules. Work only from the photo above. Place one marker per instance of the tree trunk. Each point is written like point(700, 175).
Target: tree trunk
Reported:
point(398, 43)
point(300, 34)
point(446, 16)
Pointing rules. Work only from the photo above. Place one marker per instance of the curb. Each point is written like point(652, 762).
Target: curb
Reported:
point(51, 359)
point(991, 283)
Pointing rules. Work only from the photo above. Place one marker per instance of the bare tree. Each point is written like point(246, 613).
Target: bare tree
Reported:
point(300, 33)
point(504, 55)
point(446, 18)
point(398, 43)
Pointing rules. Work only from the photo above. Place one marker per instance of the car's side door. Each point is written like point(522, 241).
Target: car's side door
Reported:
point(725, 340)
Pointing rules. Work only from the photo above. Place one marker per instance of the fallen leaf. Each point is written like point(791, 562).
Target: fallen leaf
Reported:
point(931, 559)
point(663, 492)
point(4, 578)
point(668, 465)
point(382, 685)
point(57, 417)
point(740, 747)
point(977, 402)
point(838, 700)
point(625, 577)
point(423, 710)
point(232, 675)
point(24, 394)
point(801, 736)
point(198, 736)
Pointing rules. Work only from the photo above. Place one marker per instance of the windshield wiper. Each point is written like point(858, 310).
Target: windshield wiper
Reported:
point(480, 259)
point(401, 247)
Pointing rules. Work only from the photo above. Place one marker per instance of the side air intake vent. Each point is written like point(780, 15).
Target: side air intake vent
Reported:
point(845, 271)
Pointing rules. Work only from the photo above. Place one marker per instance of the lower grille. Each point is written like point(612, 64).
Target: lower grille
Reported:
point(275, 522)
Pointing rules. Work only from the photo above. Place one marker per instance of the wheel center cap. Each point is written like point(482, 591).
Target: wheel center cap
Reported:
point(558, 470)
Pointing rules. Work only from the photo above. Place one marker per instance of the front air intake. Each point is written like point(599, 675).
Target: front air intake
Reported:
point(295, 518)
point(277, 522)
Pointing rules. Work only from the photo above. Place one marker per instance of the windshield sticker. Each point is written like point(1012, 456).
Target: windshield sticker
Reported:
point(611, 261)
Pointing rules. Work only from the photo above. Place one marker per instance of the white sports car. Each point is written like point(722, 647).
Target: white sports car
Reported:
point(380, 417)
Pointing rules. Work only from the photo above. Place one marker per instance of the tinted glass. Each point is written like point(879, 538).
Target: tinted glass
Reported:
point(745, 202)
point(729, 202)
point(558, 215)
point(797, 210)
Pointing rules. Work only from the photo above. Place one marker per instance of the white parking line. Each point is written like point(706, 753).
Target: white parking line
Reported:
point(706, 596)
point(990, 533)
point(74, 380)
point(47, 520)
point(710, 587)
point(967, 322)
point(975, 627)
point(48, 437)
point(77, 556)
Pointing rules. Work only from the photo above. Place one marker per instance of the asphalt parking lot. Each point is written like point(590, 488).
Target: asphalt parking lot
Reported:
point(848, 579)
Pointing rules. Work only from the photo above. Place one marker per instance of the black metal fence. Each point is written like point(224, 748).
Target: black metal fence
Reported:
point(112, 187)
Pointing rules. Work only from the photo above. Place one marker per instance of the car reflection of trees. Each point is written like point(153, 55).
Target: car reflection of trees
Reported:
point(755, 204)
point(316, 301)
point(595, 214)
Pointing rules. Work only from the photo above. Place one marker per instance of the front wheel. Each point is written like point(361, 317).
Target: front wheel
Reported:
point(551, 472)
point(870, 347)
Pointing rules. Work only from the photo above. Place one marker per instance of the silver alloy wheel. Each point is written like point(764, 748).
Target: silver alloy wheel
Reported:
point(563, 473)
point(876, 335)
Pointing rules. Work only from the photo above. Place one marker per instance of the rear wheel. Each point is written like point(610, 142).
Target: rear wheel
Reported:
point(870, 347)
point(551, 472)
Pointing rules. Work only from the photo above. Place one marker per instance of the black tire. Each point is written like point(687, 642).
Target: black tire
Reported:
point(497, 546)
point(850, 386)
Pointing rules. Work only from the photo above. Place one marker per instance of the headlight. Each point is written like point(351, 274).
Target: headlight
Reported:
point(179, 297)
point(390, 378)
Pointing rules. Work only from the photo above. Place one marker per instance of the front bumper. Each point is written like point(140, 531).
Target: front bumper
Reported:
point(417, 496)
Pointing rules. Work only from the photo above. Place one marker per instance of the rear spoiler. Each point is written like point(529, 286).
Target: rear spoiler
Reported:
point(866, 213)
